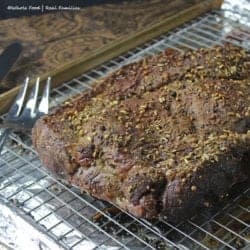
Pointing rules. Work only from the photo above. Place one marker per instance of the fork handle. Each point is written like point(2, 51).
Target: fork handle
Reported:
point(4, 135)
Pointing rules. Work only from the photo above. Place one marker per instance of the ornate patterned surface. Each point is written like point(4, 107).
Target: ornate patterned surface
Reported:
point(54, 39)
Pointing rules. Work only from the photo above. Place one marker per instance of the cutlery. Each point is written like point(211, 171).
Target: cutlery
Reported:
point(7, 59)
point(23, 117)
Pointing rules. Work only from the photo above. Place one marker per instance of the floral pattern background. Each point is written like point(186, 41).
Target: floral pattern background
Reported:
point(54, 39)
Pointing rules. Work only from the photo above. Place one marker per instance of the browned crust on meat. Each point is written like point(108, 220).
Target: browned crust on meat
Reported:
point(161, 137)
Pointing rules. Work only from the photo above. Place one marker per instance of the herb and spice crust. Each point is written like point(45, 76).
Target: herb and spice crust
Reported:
point(165, 136)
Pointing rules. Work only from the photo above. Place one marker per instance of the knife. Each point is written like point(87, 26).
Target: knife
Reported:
point(8, 58)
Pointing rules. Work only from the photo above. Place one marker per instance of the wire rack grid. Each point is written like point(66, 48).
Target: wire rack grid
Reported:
point(78, 221)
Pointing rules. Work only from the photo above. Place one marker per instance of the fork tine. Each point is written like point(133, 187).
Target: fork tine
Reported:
point(16, 107)
point(30, 107)
point(44, 103)
point(3, 137)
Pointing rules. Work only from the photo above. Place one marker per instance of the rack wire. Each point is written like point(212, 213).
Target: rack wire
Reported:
point(79, 221)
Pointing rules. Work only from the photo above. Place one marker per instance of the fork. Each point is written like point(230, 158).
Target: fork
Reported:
point(22, 117)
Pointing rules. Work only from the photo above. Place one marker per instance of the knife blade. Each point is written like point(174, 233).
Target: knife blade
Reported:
point(8, 58)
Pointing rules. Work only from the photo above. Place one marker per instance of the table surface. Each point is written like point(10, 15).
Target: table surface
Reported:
point(55, 39)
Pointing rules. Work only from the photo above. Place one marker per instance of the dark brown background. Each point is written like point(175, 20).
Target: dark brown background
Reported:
point(54, 39)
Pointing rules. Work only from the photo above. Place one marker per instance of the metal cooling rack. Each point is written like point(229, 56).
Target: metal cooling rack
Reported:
point(78, 221)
